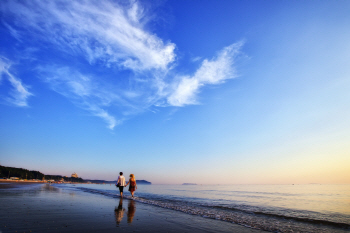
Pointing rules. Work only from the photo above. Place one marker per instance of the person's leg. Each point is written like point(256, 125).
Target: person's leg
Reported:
point(121, 190)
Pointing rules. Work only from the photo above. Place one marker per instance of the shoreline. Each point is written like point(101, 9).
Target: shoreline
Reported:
point(39, 182)
point(43, 208)
point(47, 182)
point(21, 181)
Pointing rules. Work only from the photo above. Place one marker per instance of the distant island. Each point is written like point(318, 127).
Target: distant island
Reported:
point(189, 184)
point(21, 174)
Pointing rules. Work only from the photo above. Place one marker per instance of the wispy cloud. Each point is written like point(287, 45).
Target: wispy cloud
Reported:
point(13, 32)
point(115, 36)
point(99, 112)
point(195, 59)
point(102, 30)
point(18, 93)
point(82, 90)
point(215, 71)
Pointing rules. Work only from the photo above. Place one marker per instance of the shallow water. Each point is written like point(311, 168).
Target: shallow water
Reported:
point(72, 208)
point(277, 208)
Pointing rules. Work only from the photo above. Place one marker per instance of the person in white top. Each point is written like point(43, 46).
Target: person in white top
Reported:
point(121, 183)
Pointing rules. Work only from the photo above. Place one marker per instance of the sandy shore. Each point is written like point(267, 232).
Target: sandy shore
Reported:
point(28, 207)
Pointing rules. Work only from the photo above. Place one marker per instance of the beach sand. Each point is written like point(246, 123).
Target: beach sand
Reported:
point(46, 208)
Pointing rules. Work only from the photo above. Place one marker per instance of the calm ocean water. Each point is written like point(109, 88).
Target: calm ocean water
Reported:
point(276, 208)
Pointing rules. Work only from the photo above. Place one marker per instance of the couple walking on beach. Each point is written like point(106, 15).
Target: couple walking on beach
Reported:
point(121, 184)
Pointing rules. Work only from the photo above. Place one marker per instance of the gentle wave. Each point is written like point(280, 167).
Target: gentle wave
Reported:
point(253, 193)
point(308, 220)
point(253, 219)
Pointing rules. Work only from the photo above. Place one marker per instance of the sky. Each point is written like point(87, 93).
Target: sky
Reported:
point(206, 92)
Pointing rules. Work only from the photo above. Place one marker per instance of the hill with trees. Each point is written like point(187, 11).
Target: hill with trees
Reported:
point(21, 173)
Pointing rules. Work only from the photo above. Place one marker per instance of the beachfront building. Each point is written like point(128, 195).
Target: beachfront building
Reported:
point(75, 175)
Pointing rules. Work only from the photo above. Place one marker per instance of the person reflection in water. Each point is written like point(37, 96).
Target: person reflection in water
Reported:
point(131, 211)
point(119, 212)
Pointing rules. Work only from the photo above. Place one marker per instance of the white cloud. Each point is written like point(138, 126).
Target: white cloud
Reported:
point(102, 30)
point(13, 32)
point(114, 35)
point(92, 94)
point(135, 13)
point(82, 90)
point(215, 71)
point(111, 121)
point(19, 93)
point(195, 59)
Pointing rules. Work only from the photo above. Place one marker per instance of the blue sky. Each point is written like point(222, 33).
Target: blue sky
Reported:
point(228, 92)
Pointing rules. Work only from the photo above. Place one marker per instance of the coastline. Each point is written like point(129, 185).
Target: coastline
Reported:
point(42, 182)
point(21, 181)
point(36, 182)
point(44, 207)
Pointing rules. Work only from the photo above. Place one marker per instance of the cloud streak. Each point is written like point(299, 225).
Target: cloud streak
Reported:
point(82, 90)
point(18, 93)
point(112, 36)
point(103, 31)
point(214, 71)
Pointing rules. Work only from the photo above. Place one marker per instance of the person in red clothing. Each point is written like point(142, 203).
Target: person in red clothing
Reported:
point(133, 186)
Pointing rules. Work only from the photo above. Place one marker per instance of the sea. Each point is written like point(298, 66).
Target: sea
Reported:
point(274, 208)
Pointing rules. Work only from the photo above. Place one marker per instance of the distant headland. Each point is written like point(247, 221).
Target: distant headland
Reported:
point(189, 184)
point(21, 174)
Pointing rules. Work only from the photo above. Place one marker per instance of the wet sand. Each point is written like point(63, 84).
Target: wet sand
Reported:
point(46, 208)
point(14, 184)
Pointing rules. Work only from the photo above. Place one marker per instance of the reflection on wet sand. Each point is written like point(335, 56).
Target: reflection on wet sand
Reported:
point(119, 211)
point(131, 210)
point(50, 188)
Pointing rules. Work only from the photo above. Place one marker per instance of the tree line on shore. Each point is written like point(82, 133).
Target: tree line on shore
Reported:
point(21, 173)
